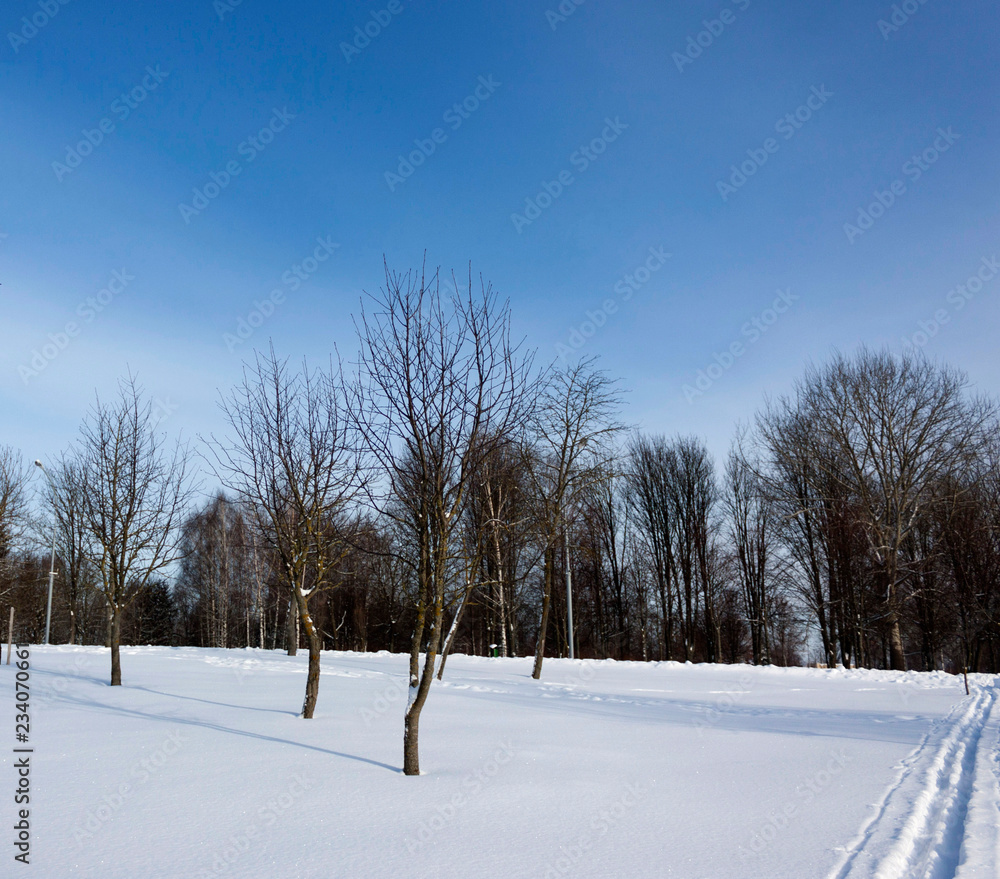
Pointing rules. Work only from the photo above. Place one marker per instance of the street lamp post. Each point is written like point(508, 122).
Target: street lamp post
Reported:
point(52, 566)
point(569, 595)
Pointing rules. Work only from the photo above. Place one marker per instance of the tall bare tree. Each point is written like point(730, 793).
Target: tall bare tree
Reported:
point(611, 523)
point(499, 519)
point(292, 468)
point(889, 430)
point(693, 493)
point(751, 533)
point(66, 494)
point(494, 540)
point(13, 522)
point(438, 376)
point(969, 528)
point(572, 430)
point(809, 517)
point(134, 489)
point(13, 501)
point(219, 576)
point(648, 468)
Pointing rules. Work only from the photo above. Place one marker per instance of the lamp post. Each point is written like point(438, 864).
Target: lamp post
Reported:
point(569, 594)
point(52, 566)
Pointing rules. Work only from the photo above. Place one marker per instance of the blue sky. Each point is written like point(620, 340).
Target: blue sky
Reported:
point(643, 108)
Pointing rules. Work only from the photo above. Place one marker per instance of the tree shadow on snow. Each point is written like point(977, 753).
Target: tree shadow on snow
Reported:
point(213, 702)
point(189, 721)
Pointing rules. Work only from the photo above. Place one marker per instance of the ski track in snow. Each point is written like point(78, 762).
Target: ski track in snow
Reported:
point(940, 818)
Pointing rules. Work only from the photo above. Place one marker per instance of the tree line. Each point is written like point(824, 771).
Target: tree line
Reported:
point(444, 492)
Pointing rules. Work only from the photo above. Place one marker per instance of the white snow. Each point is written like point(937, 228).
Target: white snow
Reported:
point(200, 767)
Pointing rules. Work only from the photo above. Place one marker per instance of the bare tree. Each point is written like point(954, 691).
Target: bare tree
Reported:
point(220, 576)
point(386, 573)
point(437, 378)
point(809, 517)
point(134, 490)
point(751, 533)
point(885, 431)
point(648, 469)
point(611, 524)
point(66, 495)
point(495, 528)
point(14, 521)
point(13, 501)
point(572, 432)
point(968, 523)
point(292, 468)
point(692, 491)
point(470, 561)
point(500, 520)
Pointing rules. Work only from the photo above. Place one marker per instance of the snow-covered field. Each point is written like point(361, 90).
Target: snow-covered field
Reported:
point(199, 766)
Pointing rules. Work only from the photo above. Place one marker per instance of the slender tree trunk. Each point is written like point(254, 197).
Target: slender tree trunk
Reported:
point(664, 631)
point(274, 625)
point(419, 689)
point(116, 661)
point(897, 656)
point(503, 618)
point(423, 600)
point(711, 627)
point(315, 645)
point(686, 602)
point(292, 628)
point(543, 626)
point(415, 704)
point(498, 558)
point(454, 626)
point(766, 635)
point(418, 638)
point(829, 644)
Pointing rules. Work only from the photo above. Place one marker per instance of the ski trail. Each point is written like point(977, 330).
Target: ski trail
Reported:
point(942, 810)
point(979, 857)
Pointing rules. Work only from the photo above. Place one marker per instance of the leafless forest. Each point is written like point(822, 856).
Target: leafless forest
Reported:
point(443, 491)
